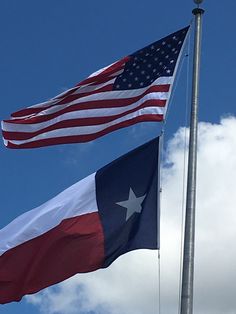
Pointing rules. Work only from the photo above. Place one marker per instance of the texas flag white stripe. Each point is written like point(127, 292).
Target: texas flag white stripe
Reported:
point(77, 200)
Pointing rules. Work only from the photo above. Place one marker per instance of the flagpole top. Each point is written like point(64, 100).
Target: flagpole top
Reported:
point(198, 10)
point(198, 2)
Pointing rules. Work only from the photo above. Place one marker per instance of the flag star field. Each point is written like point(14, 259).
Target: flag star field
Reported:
point(148, 64)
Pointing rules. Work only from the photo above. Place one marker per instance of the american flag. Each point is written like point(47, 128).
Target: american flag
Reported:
point(134, 89)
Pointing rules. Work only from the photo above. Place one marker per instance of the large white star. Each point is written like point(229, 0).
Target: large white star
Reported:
point(132, 204)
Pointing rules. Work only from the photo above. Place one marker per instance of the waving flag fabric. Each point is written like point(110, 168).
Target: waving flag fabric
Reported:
point(86, 227)
point(135, 89)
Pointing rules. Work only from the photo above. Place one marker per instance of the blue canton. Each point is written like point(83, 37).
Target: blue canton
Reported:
point(148, 64)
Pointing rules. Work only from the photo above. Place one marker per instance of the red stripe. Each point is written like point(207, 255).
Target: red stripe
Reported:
point(79, 122)
point(74, 246)
point(28, 111)
point(109, 71)
point(73, 97)
point(104, 76)
point(87, 137)
point(95, 104)
point(60, 101)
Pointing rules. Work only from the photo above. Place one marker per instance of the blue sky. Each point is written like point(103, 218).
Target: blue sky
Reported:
point(49, 46)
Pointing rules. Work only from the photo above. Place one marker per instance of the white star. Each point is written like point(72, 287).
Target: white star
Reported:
point(132, 204)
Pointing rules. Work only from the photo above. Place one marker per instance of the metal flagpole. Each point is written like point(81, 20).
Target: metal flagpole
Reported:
point(189, 236)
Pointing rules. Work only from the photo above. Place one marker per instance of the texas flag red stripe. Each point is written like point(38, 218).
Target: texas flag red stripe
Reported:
point(50, 257)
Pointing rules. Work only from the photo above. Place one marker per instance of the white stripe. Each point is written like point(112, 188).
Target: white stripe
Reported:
point(116, 73)
point(40, 105)
point(83, 130)
point(61, 95)
point(79, 199)
point(44, 104)
point(113, 94)
point(90, 88)
point(105, 68)
point(85, 88)
point(107, 96)
point(77, 90)
point(89, 113)
point(122, 94)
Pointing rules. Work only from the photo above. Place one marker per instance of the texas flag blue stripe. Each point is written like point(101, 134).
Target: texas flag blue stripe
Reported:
point(84, 228)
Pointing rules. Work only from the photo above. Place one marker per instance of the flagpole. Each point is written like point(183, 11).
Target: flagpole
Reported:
point(189, 236)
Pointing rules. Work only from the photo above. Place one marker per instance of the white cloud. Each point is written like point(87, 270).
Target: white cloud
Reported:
point(129, 286)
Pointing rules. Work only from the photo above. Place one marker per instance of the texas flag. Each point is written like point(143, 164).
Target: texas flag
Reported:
point(84, 228)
